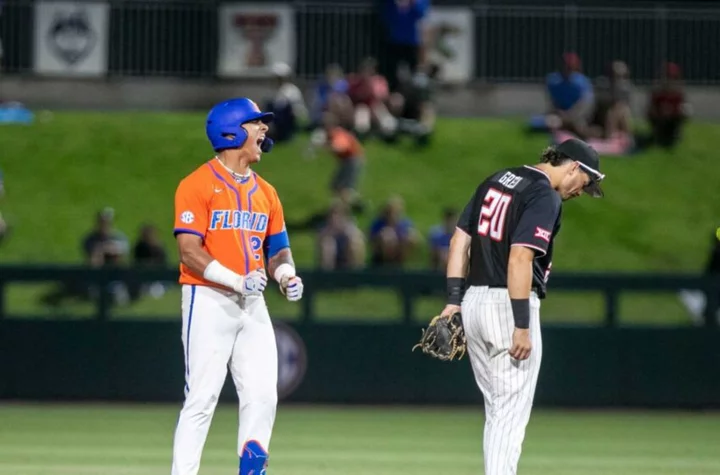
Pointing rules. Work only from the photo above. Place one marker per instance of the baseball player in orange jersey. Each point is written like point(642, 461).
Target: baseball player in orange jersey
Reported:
point(228, 222)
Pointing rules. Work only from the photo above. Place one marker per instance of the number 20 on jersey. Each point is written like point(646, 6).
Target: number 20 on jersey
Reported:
point(493, 214)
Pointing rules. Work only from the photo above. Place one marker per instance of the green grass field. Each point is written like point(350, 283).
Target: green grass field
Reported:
point(137, 440)
point(659, 210)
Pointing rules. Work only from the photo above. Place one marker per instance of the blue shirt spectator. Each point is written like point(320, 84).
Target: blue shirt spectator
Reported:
point(402, 19)
point(567, 90)
point(392, 235)
point(440, 238)
point(333, 82)
point(325, 88)
point(402, 227)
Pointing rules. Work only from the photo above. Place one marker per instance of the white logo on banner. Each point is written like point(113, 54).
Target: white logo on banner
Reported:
point(450, 36)
point(253, 37)
point(71, 38)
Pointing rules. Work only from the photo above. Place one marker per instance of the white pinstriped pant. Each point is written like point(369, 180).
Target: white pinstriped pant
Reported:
point(508, 385)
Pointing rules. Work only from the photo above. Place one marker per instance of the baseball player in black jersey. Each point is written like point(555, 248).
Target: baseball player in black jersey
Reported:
point(498, 266)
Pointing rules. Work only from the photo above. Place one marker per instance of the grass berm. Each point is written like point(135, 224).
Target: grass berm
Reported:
point(658, 214)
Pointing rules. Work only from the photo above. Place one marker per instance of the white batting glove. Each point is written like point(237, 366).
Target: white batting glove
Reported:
point(292, 287)
point(252, 284)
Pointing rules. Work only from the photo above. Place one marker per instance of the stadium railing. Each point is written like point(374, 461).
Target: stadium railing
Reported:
point(501, 43)
point(410, 285)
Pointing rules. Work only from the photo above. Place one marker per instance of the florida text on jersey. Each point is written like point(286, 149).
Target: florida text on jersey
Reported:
point(241, 223)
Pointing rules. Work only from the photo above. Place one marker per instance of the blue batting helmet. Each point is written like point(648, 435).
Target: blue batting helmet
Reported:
point(224, 123)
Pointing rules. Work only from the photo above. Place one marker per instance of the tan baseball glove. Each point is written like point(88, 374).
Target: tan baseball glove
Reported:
point(444, 338)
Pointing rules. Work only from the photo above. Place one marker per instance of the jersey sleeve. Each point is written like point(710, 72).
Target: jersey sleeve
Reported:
point(191, 210)
point(466, 217)
point(537, 221)
point(277, 237)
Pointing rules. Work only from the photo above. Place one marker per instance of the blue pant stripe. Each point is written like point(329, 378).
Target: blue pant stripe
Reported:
point(187, 338)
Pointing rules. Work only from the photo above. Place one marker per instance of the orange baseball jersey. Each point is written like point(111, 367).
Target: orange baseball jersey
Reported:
point(240, 223)
point(344, 144)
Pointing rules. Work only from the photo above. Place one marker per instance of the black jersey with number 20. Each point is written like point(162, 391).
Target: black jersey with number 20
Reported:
point(513, 207)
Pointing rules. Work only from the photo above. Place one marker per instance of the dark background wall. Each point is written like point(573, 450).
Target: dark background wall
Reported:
point(364, 364)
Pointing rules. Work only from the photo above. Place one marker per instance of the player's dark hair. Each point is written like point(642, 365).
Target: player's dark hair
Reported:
point(553, 157)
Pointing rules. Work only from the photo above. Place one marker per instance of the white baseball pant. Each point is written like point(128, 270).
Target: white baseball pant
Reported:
point(220, 329)
point(507, 385)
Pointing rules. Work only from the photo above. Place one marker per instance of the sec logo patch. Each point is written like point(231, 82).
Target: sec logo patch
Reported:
point(187, 217)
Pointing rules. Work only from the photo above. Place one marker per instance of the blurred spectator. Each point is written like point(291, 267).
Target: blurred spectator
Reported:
point(668, 109)
point(104, 246)
point(368, 92)
point(392, 235)
point(610, 129)
point(413, 103)
point(148, 252)
point(350, 157)
point(341, 244)
point(571, 97)
point(287, 104)
point(612, 114)
point(331, 95)
point(439, 240)
point(402, 20)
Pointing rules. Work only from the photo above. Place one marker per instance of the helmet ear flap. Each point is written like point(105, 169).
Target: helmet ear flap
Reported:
point(241, 136)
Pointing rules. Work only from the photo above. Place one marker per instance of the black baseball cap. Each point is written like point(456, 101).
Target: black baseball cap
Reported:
point(589, 161)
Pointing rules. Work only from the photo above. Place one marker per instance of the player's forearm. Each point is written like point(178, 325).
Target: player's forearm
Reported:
point(202, 263)
point(195, 258)
point(458, 254)
point(457, 267)
point(281, 265)
point(520, 272)
point(519, 282)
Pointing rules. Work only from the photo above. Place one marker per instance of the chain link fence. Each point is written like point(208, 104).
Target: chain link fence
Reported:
point(509, 43)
